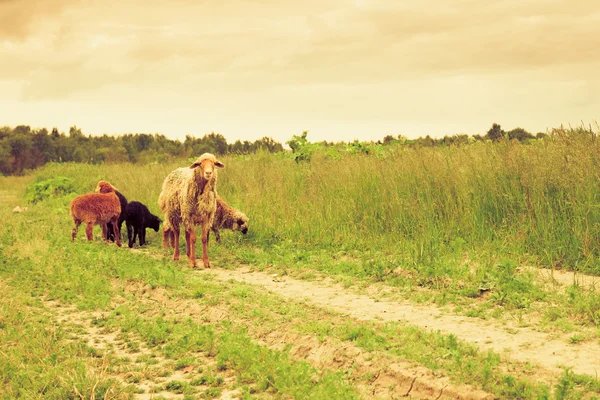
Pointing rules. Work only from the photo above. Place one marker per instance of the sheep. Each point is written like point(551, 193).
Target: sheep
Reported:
point(188, 198)
point(97, 208)
point(227, 217)
point(138, 219)
point(122, 217)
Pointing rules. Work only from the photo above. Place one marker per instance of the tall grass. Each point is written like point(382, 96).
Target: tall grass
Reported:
point(538, 201)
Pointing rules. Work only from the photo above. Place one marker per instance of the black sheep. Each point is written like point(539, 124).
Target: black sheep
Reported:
point(138, 219)
point(110, 233)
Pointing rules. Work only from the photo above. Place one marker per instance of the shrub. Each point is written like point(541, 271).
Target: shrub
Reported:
point(48, 188)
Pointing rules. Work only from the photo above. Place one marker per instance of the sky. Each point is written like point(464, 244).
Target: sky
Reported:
point(340, 69)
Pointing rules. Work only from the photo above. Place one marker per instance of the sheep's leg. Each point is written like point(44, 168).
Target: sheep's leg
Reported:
point(74, 234)
point(104, 232)
point(135, 233)
point(217, 236)
point(205, 260)
point(129, 234)
point(187, 241)
point(176, 244)
point(167, 238)
point(88, 230)
point(116, 230)
point(120, 223)
point(107, 233)
point(143, 236)
point(190, 237)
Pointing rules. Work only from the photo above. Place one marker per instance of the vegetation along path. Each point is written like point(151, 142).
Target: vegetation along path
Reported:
point(518, 343)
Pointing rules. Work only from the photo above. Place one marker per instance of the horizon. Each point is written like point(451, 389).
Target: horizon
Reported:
point(201, 135)
point(339, 69)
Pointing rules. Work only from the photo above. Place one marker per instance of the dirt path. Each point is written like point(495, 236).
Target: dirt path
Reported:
point(516, 343)
point(389, 377)
point(562, 279)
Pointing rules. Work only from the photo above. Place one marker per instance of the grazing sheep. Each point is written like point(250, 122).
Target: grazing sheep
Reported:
point(122, 217)
point(97, 208)
point(227, 217)
point(138, 219)
point(188, 198)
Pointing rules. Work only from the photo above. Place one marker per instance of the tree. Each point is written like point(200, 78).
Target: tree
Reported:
point(20, 152)
point(43, 147)
point(520, 134)
point(495, 133)
point(298, 141)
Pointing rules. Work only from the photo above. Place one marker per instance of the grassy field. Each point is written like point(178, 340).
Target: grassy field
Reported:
point(452, 227)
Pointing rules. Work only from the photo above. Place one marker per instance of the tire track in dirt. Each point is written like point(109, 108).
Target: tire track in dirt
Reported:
point(516, 343)
point(391, 377)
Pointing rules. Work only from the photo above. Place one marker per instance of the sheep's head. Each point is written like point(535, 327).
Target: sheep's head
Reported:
point(104, 187)
point(154, 223)
point(207, 163)
point(240, 222)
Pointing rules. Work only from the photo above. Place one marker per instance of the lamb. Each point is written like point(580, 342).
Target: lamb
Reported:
point(97, 208)
point(138, 219)
point(227, 217)
point(188, 198)
point(122, 217)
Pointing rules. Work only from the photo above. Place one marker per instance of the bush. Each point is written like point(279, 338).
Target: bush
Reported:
point(48, 188)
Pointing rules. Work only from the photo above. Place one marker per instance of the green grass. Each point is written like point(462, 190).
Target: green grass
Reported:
point(37, 360)
point(444, 225)
point(425, 207)
point(451, 217)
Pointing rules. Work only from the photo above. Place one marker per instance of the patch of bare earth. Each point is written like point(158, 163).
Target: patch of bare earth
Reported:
point(149, 378)
point(560, 279)
point(548, 351)
point(375, 375)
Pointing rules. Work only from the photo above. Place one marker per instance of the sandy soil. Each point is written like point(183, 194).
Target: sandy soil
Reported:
point(517, 343)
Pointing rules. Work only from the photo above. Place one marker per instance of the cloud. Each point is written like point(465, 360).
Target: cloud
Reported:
point(21, 18)
point(370, 61)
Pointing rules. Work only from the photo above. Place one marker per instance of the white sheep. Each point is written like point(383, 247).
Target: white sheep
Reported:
point(188, 198)
point(227, 217)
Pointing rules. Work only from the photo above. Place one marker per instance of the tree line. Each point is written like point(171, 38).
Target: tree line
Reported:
point(23, 148)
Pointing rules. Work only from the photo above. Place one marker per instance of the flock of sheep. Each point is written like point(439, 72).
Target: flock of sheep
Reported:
point(188, 198)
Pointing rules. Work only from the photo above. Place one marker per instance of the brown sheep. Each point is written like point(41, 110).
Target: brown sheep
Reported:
point(97, 208)
point(188, 198)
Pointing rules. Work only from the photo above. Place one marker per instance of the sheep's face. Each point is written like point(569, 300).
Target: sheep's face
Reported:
point(207, 163)
point(241, 223)
point(155, 223)
point(104, 187)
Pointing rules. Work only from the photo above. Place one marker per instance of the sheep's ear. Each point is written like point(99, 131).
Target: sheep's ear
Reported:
point(219, 164)
point(195, 165)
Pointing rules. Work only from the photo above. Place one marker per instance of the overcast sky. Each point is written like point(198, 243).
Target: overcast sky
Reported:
point(341, 69)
